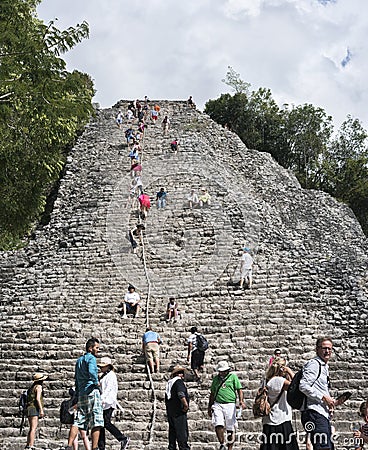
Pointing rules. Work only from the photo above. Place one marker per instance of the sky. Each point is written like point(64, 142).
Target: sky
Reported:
point(305, 51)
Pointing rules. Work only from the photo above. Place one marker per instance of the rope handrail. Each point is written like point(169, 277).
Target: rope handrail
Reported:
point(144, 260)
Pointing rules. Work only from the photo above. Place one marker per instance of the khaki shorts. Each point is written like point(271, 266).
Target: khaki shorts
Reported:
point(151, 351)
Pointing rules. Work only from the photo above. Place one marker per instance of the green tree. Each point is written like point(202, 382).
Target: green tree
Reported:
point(346, 168)
point(42, 106)
point(307, 130)
point(300, 139)
point(233, 80)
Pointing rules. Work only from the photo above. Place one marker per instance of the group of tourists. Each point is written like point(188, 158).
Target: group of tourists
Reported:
point(96, 385)
point(277, 432)
point(140, 112)
point(97, 400)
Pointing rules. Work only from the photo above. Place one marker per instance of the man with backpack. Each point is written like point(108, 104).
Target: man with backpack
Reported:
point(318, 406)
point(197, 346)
point(222, 404)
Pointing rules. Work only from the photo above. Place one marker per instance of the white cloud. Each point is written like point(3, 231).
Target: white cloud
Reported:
point(234, 8)
point(171, 49)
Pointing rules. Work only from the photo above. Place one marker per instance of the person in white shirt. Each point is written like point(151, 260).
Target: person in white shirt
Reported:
point(129, 114)
point(109, 392)
point(193, 199)
point(131, 302)
point(278, 422)
point(246, 264)
point(319, 407)
point(119, 119)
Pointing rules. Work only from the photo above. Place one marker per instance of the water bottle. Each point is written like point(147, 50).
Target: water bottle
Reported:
point(357, 441)
point(239, 412)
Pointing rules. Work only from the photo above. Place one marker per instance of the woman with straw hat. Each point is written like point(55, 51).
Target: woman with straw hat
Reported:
point(35, 406)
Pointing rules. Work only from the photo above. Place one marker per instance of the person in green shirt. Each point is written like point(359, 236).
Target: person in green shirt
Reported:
point(222, 404)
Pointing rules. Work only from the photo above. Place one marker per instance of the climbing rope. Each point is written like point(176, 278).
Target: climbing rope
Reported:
point(144, 260)
point(154, 406)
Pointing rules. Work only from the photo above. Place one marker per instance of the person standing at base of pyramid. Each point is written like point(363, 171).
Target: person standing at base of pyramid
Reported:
point(222, 404)
point(177, 406)
point(109, 393)
point(89, 406)
point(35, 406)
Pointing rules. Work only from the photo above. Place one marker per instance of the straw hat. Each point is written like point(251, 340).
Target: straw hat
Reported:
point(105, 361)
point(39, 376)
point(222, 366)
point(177, 369)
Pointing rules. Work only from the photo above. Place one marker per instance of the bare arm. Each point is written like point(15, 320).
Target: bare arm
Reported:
point(241, 398)
point(38, 400)
point(211, 401)
point(190, 346)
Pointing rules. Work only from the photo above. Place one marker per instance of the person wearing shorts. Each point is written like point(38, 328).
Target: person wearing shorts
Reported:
point(195, 356)
point(35, 405)
point(222, 404)
point(89, 406)
point(151, 350)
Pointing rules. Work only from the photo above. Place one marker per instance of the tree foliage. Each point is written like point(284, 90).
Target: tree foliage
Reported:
point(301, 138)
point(233, 80)
point(42, 106)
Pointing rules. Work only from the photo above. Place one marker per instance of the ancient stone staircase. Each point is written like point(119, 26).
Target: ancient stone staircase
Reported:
point(310, 278)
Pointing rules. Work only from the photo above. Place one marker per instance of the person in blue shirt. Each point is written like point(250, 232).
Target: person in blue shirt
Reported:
point(150, 347)
point(89, 406)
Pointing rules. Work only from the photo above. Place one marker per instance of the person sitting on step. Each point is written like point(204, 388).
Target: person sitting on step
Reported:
point(131, 302)
point(190, 102)
point(172, 311)
point(161, 198)
point(193, 199)
point(204, 198)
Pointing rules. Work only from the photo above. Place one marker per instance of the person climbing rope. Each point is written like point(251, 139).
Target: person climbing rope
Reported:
point(165, 125)
point(145, 205)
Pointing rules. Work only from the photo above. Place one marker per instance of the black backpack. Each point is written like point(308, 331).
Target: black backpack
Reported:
point(65, 417)
point(202, 343)
point(22, 405)
point(294, 396)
